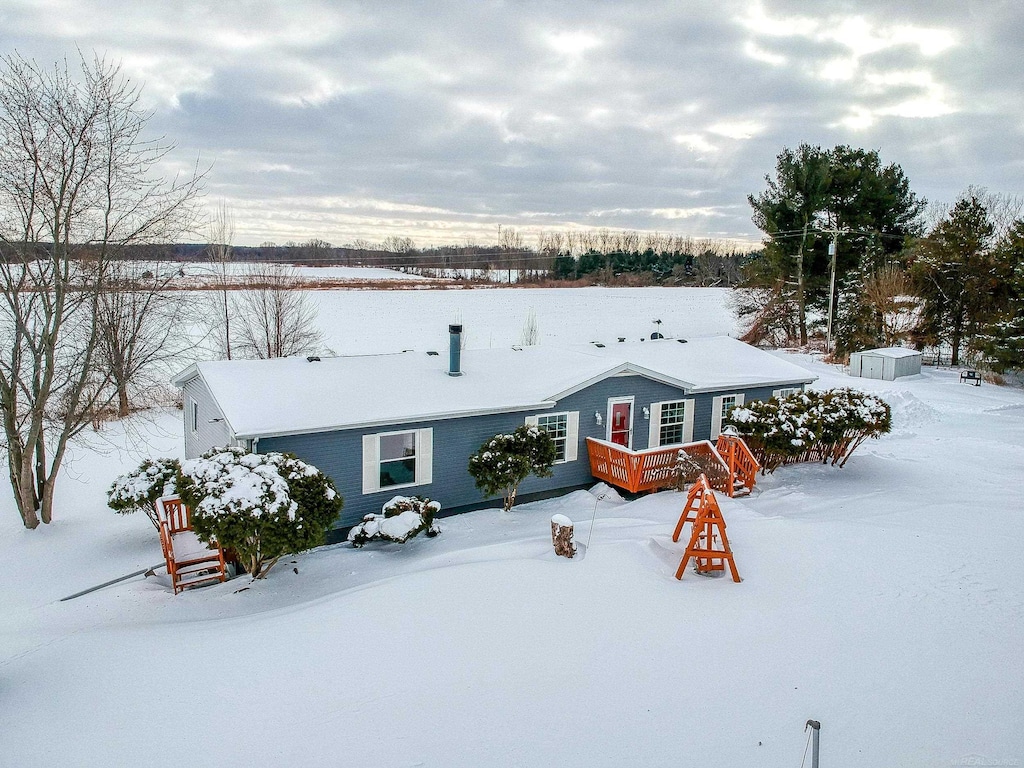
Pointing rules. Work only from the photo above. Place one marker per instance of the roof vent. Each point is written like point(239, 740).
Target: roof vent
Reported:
point(598, 344)
point(432, 353)
point(312, 359)
point(455, 349)
point(655, 336)
point(621, 339)
point(681, 341)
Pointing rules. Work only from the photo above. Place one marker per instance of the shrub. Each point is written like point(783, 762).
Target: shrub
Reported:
point(504, 461)
point(811, 426)
point(401, 519)
point(140, 488)
point(263, 506)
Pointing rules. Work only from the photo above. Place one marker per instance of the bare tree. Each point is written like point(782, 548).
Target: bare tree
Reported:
point(76, 183)
point(889, 292)
point(530, 335)
point(140, 327)
point(276, 319)
point(222, 236)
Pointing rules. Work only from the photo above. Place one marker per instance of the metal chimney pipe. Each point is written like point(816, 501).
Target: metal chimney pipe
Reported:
point(454, 350)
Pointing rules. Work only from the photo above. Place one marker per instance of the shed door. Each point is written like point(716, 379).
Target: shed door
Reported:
point(620, 422)
point(870, 367)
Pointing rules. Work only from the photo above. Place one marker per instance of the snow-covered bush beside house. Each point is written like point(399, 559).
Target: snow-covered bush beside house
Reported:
point(263, 506)
point(504, 461)
point(808, 426)
point(140, 488)
point(401, 519)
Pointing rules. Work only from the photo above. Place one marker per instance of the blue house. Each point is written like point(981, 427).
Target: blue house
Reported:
point(407, 423)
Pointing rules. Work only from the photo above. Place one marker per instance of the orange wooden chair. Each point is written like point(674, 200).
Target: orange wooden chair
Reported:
point(190, 561)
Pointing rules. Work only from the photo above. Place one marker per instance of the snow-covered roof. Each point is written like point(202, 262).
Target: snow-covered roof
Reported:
point(261, 398)
point(707, 364)
point(890, 352)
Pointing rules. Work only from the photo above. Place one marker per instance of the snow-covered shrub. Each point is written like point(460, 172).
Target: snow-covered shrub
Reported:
point(401, 519)
point(140, 488)
point(263, 506)
point(811, 426)
point(504, 461)
point(778, 430)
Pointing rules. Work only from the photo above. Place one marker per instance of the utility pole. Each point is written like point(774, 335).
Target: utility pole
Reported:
point(832, 247)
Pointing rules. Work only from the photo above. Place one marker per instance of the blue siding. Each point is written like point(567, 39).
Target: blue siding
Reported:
point(339, 453)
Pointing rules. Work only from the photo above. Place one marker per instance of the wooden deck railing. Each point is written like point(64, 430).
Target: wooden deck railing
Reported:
point(654, 468)
point(743, 467)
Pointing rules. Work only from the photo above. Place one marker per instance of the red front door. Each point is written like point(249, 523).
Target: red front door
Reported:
point(621, 423)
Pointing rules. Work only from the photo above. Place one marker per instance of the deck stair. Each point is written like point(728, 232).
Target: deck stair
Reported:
point(743, 467)
point(190, 561)
point(656, 468)
point(708, 546)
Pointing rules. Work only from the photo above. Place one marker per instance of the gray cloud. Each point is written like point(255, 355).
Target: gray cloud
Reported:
point(443, 120)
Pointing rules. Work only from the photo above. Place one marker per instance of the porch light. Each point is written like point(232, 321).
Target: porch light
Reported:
point(598, 418)
point(646, 410)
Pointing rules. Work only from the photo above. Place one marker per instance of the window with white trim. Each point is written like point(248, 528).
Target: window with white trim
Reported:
point(397, 459)
point(720, 408)
point(557, 427)
point(194, 408)
point(671, 423)
point(673, 415)
point(563, 428)
point(786, 392)
point(728, 403)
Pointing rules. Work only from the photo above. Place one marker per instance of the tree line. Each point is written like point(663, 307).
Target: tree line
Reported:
point(591, 256)
point(853, 256)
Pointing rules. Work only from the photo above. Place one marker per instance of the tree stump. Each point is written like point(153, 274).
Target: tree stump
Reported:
point(561, 536)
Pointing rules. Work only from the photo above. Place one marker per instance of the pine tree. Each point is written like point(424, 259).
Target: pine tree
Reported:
point(963, 286)
point(1003, 341)
point(815, 192)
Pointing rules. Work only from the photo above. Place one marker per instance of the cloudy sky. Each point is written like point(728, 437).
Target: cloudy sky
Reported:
point(443, 120)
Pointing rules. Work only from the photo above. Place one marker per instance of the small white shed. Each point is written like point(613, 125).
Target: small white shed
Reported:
point(888, 363)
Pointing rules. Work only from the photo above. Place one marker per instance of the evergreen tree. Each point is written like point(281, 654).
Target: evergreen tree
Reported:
point(793, 202)
point(504, 461)
point(1003, 341)
point(963, 286)
point(263, 506)
point(814, 192)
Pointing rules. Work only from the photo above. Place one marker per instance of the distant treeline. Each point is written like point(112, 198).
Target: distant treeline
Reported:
point(582, 257)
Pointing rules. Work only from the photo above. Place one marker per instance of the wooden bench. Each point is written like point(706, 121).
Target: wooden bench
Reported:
point(970, 377)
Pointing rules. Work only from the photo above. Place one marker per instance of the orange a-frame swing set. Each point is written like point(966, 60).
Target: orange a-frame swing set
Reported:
point(708, 532)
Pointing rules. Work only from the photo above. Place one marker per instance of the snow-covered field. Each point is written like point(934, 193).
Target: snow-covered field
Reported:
point(199, 273)
point(885, 599)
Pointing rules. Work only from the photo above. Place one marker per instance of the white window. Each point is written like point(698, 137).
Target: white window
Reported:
point(564, 429)
point(778, 394)
point(193, 408)
point(720, 407)
point(397, 459)
point(671, 423)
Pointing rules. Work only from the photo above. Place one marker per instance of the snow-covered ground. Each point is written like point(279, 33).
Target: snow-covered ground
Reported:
point(199, 273)
point(885, 599)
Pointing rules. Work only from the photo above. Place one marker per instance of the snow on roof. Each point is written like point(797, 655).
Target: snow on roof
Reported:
point(292, 395)
point(260, 398)
point(891, 352)
point(708, 364)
